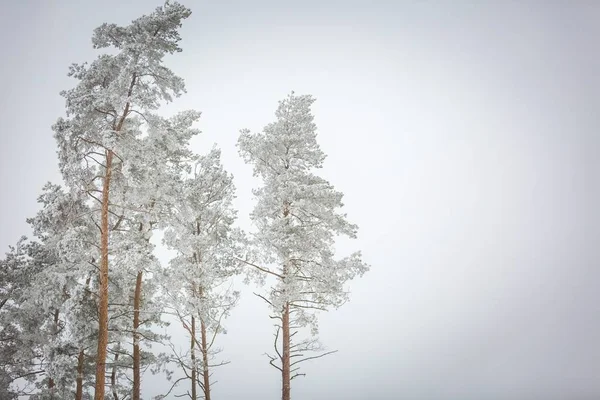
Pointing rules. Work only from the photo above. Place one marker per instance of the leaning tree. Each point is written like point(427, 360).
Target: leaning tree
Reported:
point(102, 152)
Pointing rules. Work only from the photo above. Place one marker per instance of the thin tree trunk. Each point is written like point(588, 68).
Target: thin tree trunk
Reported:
point(51, 387)
point(51, 383)
point(194, 394)
point(79, 380)
point(205, 361)
point(81, 356)
point(136, 336)
point(285, 370)
point(193, 343)
point(113, 375)
point(103, 288)
point(285, 326)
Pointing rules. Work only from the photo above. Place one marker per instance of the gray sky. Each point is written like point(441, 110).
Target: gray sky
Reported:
point(464, 136)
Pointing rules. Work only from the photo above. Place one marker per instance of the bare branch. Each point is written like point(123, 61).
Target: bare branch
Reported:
point(271, 360)
point(172, 387)
point(296, 375)
point(275, 344)
point(313, 357)
point(264, 298)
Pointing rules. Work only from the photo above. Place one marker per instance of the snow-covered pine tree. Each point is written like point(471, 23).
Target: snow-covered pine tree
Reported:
point(48, 311)
point(60, 289)
point(100, 141)
point(19, 353)
point(297, 218)
point(200, 230)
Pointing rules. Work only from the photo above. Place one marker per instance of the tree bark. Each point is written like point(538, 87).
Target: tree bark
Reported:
point(193, 352)
point(113, 375)
point(81, 356)
point(103, 288)
point(136, 336)
point(285, 367)
point(51, 383)
point(285, 326)
point(205, 361)
point(79, 380)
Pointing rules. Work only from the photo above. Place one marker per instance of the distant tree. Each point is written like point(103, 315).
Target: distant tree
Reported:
point(102, 150)
point(48, 311)
point(17, 354)
point(197, 283)
point(296, 219)
point(60, 290)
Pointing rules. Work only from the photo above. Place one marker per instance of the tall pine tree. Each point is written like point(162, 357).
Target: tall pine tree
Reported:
point(297, 218)
point(109, 113)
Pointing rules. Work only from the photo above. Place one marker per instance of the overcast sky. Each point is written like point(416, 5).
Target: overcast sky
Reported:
point(465, 138)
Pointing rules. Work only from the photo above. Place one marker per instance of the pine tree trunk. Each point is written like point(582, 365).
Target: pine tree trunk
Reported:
point(81, 356)
point(51, 387)
point(51, 383)
point(285, 373)
point(194, 394)
point(205, 361)
point(103, 288)
point(285, 326)
point(136, 336)
point(113, 375)
point(79, 380)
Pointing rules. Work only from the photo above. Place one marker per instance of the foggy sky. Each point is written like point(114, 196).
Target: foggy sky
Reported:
point(464, 136)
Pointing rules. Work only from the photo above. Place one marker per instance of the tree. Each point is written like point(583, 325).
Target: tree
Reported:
point(47, 309)
point(59, 292)
point(200, 230)
point(16, 326)
point(98, 142)
point(296, 219)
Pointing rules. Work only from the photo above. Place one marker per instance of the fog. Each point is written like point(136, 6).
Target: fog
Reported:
point(464, 136)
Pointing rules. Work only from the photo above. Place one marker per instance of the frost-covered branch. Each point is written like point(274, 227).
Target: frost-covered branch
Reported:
point(265, 270)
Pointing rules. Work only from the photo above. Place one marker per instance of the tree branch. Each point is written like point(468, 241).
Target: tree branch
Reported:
point(312, 358)
point(260, 268)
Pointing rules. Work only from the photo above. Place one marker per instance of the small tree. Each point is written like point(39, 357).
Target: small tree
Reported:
point(48, 309)
point(296, 218)
point(60, 290)
point(18, 344)
point(201, 230)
